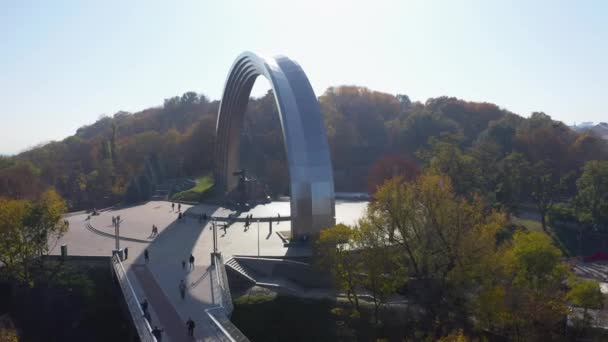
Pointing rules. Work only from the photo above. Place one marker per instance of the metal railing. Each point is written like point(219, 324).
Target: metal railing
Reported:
point(141, 323)
point(222, 278)
point(221, 325)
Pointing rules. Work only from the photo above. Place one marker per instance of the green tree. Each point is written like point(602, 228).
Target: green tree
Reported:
point(592, 195)
point(441, 238)
point(544, 189)
point(585, 294)
point(522, 295)
point(334, 246)
point(27, 231)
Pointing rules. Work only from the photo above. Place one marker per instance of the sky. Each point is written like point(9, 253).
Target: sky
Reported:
point(63, 64)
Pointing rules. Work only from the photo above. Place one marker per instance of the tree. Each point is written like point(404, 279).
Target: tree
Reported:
point(333, 254)
point(382, 271)
point(585, 294)
point(522, 295)
point(441, 238)
point(389, 166)
point(27, 229)
point(592, 196)
point(512, 175)
point(544, 189)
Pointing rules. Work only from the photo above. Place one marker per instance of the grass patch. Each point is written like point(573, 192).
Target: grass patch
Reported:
point(203, 184)
point(566, 237)
point(531, 225)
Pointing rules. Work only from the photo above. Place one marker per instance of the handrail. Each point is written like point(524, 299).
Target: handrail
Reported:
point(141, 323)
point(219, 325)
point(226, 331)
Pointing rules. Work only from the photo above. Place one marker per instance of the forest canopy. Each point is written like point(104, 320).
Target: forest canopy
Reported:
point(372, 135)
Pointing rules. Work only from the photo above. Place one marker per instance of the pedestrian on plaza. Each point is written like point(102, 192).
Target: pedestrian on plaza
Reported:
point(152, 234)
point(146, 256)
point(179, 207)
point(191, 262)
point(126, 253)
point(182, 289)
point(183, 264)
point(172, 206)
point(113, 221)
point(158, 333)
point(190, 325)
point(144, 306)
point(179, 216)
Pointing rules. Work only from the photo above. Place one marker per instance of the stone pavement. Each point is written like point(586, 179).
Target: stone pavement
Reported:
point(159, 279)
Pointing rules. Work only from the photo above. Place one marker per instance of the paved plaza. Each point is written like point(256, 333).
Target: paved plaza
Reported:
point(158, 280)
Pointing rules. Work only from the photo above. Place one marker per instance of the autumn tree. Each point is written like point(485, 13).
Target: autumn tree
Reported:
point(440, 237)
point(522, 296)
point(390, 166)
point(333, 247)
point(27, 231)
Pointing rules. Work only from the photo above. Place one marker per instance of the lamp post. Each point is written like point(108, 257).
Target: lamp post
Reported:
point(117, 234)
point(258, 237)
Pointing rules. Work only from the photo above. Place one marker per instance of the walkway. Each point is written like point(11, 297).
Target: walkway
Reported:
point(158, 280)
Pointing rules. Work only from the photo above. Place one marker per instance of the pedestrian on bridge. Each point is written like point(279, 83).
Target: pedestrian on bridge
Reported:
point(144, 306)
point(158, 333)
point(182, 289)
point(191, 262)
point(190, 325)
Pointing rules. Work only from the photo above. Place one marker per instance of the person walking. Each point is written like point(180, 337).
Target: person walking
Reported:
point(126, 253)
point(182, 289)
point(144, 306)
point(191, 260)
point(158, 333)
point(172, 206)
point(190, 325)
point(179, 207)
point(146, 256)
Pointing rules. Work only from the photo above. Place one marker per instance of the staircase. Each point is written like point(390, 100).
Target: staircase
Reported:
point(234, 265)
point(161, 193)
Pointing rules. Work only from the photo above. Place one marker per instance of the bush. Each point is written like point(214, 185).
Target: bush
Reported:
point(561, 213)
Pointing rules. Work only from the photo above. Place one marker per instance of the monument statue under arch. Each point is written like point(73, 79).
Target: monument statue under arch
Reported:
point(310, 172)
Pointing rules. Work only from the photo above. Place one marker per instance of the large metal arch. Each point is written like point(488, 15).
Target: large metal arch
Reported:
point(306, 148)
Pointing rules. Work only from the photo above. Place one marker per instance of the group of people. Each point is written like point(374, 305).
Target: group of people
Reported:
point(190, 263)
point(115, 220)
point(179, 206)
point(158, 332)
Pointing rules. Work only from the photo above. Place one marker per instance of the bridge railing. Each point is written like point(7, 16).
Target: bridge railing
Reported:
point(222, 279)
point(221, 325)
point(144, 331)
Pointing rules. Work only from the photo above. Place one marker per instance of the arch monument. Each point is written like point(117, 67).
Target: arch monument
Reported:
point(306, 148)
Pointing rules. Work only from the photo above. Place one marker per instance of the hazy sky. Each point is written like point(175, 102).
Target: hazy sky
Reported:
point(65, 63)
